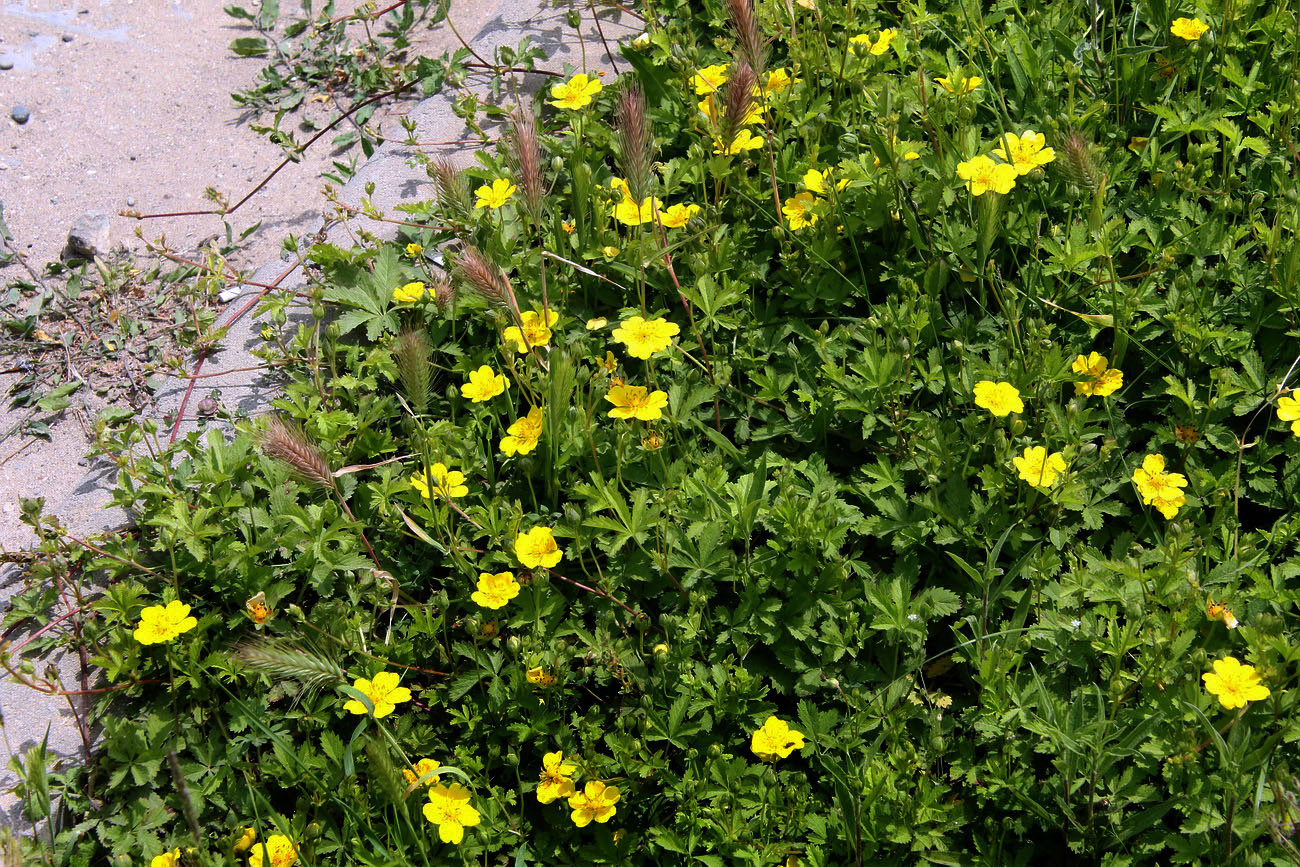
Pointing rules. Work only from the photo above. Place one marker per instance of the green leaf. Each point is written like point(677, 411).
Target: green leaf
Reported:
point(250, 46)
point(654, 79)
point(267, 15)
point(58, 398)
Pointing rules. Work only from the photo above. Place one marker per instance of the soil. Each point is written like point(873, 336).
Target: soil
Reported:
point(130, 109)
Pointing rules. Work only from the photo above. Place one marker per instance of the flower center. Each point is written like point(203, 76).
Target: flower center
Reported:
point(444, 813)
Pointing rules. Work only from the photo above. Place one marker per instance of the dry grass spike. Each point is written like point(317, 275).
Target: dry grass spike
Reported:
point(287, 443)
point(635, 144)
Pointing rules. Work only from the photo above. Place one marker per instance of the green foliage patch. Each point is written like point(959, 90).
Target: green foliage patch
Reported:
point(821, 486)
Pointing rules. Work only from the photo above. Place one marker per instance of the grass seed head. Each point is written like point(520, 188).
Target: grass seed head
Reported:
point(289, 444)
point(635, 144)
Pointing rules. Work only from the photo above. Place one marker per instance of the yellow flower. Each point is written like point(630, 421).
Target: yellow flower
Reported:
point(1038, 468)
point(484, 384)
point(568, 226)
point(801, 210)
point(1190, 29)
point(557, 778)
point(450, 810)
point(879, 46)
point(537, 548)
point(279, 851)
point(709, 79)
point(1288, 409)
point(981, 174)
point(246, 840)
point(257, 608)
point(775, 740)
point(652, 442)
point(383, 692)
point(540, 677)
point(595, 802)
point(166, 859)
point(446, 483)
point(627, 211)
point(422, 767)
point(268, 333)
point(677, 215)
point(1159, 488)
point(964, 85)
point(1025, 151)
point(523, 435)
point(414, 250)
point(597, 323)
point(1234, 684)
point(577, 92)
point(911, 155)
point(643, 338)
point(1103, 380)
point(741, 141)
point(494, 591)
point(494, 195)
point(633, 401)
point(535, 333)
point(1216, 611)
point(409, 294)
point(778, 80)
point(162, 623)
point(999, 398)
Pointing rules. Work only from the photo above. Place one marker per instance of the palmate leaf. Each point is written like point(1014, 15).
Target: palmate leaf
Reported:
point(365, 294)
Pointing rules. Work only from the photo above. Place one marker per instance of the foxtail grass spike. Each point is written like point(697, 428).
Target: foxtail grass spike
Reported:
point(282, 660)
point(635, 144)
point(739, 97)
point(411, 353)
point(484, 277)
point(1079, 164)
point(287, 443)
point(452, 190)
point(444, 292)
point(752, 47)
point(384, 772)
point(526, 153)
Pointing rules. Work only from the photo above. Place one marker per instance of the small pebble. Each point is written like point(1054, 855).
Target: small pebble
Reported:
point(6, 63)
point(20, 114)
point(67, 37)
point(130, 201)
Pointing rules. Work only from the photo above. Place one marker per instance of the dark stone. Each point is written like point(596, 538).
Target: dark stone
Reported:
point(20, 114)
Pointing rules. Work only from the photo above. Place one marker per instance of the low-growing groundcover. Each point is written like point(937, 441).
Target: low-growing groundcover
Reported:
point(860, 434)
